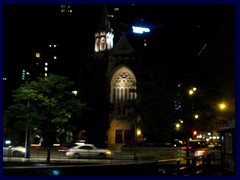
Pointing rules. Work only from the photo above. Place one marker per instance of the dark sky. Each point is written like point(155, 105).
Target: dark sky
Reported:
point(179, 30)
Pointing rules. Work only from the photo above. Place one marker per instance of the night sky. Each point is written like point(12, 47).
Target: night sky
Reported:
point(179, 31)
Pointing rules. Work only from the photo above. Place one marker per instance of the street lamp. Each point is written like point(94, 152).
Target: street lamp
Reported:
point(75, 92)
point(191, 91)
point(177, 126)
point(222, 106)
point(139, 132)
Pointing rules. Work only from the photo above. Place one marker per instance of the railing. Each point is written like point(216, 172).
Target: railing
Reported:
point(156, 153)
point(159, 161)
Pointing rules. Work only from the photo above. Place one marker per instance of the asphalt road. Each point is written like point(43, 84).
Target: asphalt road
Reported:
point(122, 163)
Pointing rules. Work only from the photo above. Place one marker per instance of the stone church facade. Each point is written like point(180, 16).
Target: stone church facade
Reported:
point(122, 85)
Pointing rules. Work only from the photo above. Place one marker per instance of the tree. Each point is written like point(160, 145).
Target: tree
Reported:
point(46, 104)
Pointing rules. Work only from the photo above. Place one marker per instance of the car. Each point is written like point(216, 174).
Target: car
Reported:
point(196, 148)
point(66, 146)
point(13, 151)
point(88, 151)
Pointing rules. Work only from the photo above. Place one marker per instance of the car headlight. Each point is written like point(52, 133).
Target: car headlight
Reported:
point(108, 152)
point(201, 152)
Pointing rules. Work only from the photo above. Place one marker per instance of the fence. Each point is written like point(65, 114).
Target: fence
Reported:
point(138, 161)
point(127, 153)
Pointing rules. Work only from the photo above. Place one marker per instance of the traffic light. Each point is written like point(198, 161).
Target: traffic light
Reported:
point(194, 132)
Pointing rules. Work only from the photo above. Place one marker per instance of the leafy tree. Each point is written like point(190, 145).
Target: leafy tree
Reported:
point(46, 104)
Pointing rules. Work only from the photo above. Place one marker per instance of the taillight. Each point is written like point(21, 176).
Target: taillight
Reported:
point(184, 147)
point(68, 151)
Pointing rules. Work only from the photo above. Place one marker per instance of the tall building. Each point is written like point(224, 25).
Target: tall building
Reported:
point(45, 60)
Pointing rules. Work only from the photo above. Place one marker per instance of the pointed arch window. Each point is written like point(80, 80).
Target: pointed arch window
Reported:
point(123, 86)
point(103, 43)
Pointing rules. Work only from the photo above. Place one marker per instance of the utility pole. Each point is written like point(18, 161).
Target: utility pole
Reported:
point(27, 135)
point(27, 143)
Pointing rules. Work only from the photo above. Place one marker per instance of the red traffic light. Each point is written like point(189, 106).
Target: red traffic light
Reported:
point(194, 132)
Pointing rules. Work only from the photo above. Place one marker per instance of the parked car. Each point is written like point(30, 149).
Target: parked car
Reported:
point(13, 151)
point(88, 151)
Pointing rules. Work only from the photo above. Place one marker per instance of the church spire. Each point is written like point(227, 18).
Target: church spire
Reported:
point(105, 23)
point(104, 35)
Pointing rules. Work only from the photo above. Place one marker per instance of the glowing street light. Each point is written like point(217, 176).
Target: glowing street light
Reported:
point(191, 91)
point(222, 106)
point(177, 125)
point(75, 92)
point(139, 132)
point(196, 116)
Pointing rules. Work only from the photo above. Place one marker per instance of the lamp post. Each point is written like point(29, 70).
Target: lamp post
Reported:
point(191, 92)
point(27, 135)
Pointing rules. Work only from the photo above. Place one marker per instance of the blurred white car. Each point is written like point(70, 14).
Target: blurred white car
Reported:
point(88, 151)
point(13, 151)
point(66, 146)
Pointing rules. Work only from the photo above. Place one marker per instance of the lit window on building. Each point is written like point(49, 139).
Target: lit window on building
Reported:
point(37, 55)
point(123, 86)
point(4, 79)
point(45, 74)
point(54, 45)
point(46, 64)
point(65, 8)
point(116, 9)
point(46, 69)
point(50, 45)
point(54, 57)
point(23, 74)
point(145, 42)
point(62, 6)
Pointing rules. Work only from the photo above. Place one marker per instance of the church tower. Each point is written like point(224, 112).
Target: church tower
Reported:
point(116, 85)
point(122, 94)
point(104, 35)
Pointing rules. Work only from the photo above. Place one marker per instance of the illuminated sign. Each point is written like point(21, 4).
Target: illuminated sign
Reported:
point(140, 30)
